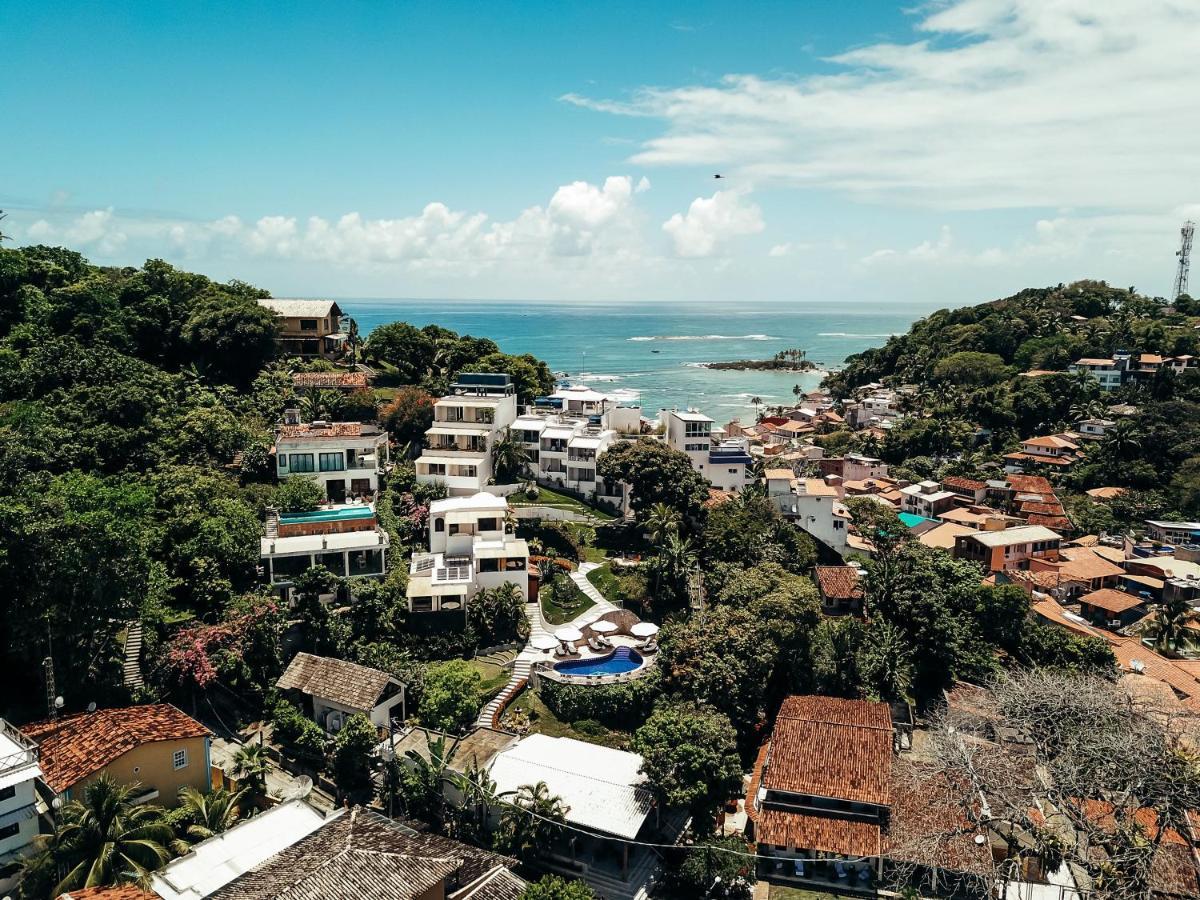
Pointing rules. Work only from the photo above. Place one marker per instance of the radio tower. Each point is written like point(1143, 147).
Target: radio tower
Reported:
point(1185, 259)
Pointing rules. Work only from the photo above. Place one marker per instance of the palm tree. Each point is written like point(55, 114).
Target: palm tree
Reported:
point(531, 821)
point(1124, 440)
point(661, 521)
point(250, 766)
point(207, 814)
point(509, 458)
point(1086, 409)
point(757, 401)
point(673, 564)
point(423, 783)
point(1172, 616)
point(320, 404)
point(106, 838)
point(480, 792)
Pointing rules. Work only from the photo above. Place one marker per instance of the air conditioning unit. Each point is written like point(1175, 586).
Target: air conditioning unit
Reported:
point(334, 721)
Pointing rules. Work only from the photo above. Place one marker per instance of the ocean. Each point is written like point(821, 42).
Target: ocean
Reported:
point(651, 353)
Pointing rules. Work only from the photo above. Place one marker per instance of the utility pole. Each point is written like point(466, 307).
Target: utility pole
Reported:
point(1185, 259)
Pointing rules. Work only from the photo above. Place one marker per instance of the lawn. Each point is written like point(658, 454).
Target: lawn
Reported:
point(559, 613)
point(621, 590)
point(780, 892)
point(543, 721)
point(548, 497)
point(494, 676)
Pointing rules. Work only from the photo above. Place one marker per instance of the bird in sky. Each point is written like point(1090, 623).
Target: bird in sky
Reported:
point(718, 175)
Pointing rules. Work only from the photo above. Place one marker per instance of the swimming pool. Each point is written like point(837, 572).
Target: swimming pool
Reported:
point(622, 659)
point(332, 514)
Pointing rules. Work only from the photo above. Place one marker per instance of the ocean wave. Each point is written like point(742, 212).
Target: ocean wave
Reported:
point(852, 334)
point(706, 337)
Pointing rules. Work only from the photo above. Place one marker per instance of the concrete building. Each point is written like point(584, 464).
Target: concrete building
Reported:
point(466, 425)
point(926, 499)
point(19, 801)
point(1008, 548)
point(470, 549)
point(309, 327)
point(347, 539)
point(1173, 532)
point(337, 689)
point(345, 458)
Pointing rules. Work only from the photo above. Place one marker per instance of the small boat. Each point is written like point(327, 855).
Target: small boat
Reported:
point(656, 351)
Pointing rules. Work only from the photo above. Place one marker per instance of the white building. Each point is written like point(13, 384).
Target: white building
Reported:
point(726, 465)
point(346, 538)
point(812, 504)
point(1107, 373)
point(466, 424)
point(19, 774)
point(339, 689)
point(470, 550)
point(860, 467)
point(346, 458)
point(926, 499)
point(1094, 429)
point(1173, 532)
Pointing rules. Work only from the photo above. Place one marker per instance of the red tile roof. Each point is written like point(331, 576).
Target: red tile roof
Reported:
point(828, 747)
point(112, 892)
point(72, 748)
point(838, 582)
point(828, 833)
point(1030, 484)
point(1111, 600)
point(963, 484)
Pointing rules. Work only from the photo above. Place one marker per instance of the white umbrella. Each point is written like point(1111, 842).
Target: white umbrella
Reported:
point(543, 642)
point(603, 626)
point(644, 629)
point(569, 634)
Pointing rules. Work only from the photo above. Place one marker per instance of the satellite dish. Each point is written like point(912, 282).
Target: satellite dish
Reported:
point(301, 789)
point(92, 706)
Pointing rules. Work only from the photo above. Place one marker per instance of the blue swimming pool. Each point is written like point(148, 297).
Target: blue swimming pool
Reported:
point(331, 514)
point(623, 659)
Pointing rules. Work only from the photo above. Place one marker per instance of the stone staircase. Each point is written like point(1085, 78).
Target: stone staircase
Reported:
point(271, 527)
point(579, 576)
point(520, 670)
point(133, 656)
point(643, 874)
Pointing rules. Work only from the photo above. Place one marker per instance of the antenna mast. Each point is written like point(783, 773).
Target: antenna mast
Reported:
point(1185, 259)
point(51, 705)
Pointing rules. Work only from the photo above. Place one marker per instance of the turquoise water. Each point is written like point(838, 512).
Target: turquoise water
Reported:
point(912, 520)
point(649, 353)
point(327, 515)
point(623, 659)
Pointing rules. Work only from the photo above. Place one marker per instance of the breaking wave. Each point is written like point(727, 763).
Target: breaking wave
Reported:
point(706, 337)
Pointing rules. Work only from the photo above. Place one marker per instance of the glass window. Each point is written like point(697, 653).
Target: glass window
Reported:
point(334, 562)
point(308, 324)
point(301, 462)
point(9, 792)
point(333, 462)
point(8, 831)
point(282, 460)
point(287, 567)
point(489, 564)
point(179, 759)
point(366, 562)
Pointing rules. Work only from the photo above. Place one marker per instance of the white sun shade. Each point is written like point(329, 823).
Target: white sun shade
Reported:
point(644, 629)
point(567, 633)
point(603, 626)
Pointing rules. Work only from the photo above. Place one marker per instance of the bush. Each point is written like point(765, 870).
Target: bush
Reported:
point(299, 494)
point(556, 538)
point(302, 736)
point(610, 705)
point(590, 727)
point(452, 696)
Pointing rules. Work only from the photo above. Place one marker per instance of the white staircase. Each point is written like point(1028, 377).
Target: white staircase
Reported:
point(520, 669)
point(133, 656)
point(602, 606)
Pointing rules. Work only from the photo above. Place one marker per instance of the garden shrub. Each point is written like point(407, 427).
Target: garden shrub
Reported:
point(621, 706)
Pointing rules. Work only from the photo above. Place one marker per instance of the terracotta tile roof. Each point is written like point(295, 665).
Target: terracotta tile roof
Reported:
point(1038, 458)
point(716, 497)
point(71, 748)
point(1111, 600)
point(321, 432)
point(1053, 612)
point(363, 855)
point(113, 892)
point(829, 833)
point(1085, 564)
point(347, 683)
point(1030, 484)
point(353, 380)
point(1104, 493)
point(1041, 508)
point(828, 747)
point(1057, 523)
point(1051, 442)
point(963, 484)
point(838, 582)
point(1129, 651)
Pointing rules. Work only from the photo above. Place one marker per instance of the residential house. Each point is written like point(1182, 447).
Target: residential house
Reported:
point(841, 593)
point(1107, 373)
point(470, 549)
point(944, 535)
point(345, 458)
point(1108, 608)
point(345, 538)
point(309, 327)
point(813, 505)
point(1094, 429)
point(926, 499)
point(860, 467)
point(970, 489)
point(19, 801)
point(466, 424)
point(338, 689)
point(155, 745)
point(1076, 571)
point(1008, 548)
point(821, 788)
point(1165, 532)
point(294, 852)
point(604, 791)
point(690, 432)
point(730, 465)
point(1051, 450)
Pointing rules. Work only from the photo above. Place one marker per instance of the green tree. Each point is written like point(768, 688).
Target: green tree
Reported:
point(105, 838)
point(299, 493)
point(498, 615)
point(552, 887)
point(323, 631)
point(453, 693)
point(690, 757)
point(717, 869)
point(532, 819)
point(403, 347)
point(530, 375)
point(885, 662)
point(250, 767)
point(352, 755)
point(421, 780)
point(205, 815)
point(231, 337)
point(509, 459)
point(970, 368)
point(656, 474)
point(661, 520)
point(1185, 487)
point(407, 416)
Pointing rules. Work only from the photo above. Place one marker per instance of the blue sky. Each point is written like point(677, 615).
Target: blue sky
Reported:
point(872, 153)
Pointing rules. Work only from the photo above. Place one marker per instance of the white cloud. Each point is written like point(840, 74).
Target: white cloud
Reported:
point(999, 104)
point(643, 185)
point(710, 221)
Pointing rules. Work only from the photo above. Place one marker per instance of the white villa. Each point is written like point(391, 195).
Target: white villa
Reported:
point(19, 773)
point(346, 538)
point(812, 504)
point(466, 423)
point(346, 458)
point(926, 499)
point(565, 434)
point(470, 550)
point(726, 464)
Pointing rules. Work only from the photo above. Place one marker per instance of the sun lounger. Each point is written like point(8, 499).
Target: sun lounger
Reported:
point(799, 868)
point(840, 868)
point(560, 650)
point(604, 642)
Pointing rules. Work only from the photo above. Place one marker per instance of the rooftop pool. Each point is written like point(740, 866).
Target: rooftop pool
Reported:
point(622, 659)
point(333, 514)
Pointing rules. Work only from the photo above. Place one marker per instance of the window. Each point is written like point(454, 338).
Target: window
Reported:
point(10, 830)
point(489, 564)
point(308, 324)
point(439, 525)
point(9, 792)
point(179, 759)
point(301, 462)
point(282, 461)
point(332, 462)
